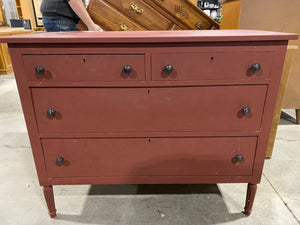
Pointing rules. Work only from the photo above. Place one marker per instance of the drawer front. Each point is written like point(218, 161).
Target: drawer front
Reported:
point(139, 157)
point(212, 108)
point(142, 13)
point(72, 68)
point(188, 14)
point(211, 66)
point(110, 18)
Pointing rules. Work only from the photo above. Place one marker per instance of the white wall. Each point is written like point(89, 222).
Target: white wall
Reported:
point(10, 10)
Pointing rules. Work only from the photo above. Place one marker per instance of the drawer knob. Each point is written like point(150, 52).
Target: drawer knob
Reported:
point(239, 158)
point(136, 8)
point(51, 112)
point(124, 27)
point(256, 67)
point(127, 69)
point(168, 68)
point(60, 161)
point(199, 25)
point(40, 70)
point(246, 111)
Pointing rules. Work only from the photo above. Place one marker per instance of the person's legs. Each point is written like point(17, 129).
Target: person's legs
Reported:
point(51, 25)
point(67, 25)
point(60, 24)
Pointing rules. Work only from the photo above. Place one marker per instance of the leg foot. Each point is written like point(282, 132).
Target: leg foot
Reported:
point(297, 116)
point(49, 197)
point(251, 190)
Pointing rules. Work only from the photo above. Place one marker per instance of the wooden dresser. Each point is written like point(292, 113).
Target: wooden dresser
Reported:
point(114, 15)
point(149, 107)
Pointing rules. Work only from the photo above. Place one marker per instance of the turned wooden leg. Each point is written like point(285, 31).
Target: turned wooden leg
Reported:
point(297, 116)
point(49, 197)
point(251, 190)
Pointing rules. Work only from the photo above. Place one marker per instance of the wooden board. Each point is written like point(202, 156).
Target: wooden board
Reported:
point(153, 37)
point(127, 15)
point(5, 61)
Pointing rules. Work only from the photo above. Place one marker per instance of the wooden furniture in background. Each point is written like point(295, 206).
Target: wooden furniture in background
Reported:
point(27, 10)
point(19, 9)
point(195, 2)
point(281, 92)
point(37, 12)
point(3, 22)
point(5, 61)
point(137, 15)
point(149, 107)
point(231, 14)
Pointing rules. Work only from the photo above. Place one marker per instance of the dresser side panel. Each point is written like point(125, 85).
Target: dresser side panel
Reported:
point(269, 108)
point(29, 114)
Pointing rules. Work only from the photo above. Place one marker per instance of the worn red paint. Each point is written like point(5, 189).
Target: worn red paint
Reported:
point(149, 126)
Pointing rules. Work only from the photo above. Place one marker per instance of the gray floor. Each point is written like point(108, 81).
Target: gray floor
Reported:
point(21, 201)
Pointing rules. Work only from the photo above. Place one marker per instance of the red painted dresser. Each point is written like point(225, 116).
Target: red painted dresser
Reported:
point(149, 107)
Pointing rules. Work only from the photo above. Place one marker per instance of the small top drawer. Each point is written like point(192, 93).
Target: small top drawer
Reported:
point(72, 68)
point(211, 66)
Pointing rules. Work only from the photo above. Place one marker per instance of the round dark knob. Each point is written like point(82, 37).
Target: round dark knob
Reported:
point(127, 69)
point(239, 158)
point(169, 68)
point(40, 70)
point(51, 112)
point(60, 161)
point(256, 67)
point(246, 111)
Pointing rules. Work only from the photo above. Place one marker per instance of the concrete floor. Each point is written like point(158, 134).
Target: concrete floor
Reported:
point(21, 200)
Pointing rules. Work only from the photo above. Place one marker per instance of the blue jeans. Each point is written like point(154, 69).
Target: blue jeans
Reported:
point(59, 24)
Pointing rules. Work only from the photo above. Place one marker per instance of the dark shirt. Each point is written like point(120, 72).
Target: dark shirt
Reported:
point(53, 9)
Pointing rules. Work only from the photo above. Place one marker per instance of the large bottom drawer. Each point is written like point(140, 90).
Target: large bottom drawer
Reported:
point(109, 157)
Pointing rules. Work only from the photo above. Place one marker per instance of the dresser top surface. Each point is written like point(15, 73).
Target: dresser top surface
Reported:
point(151, 36)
